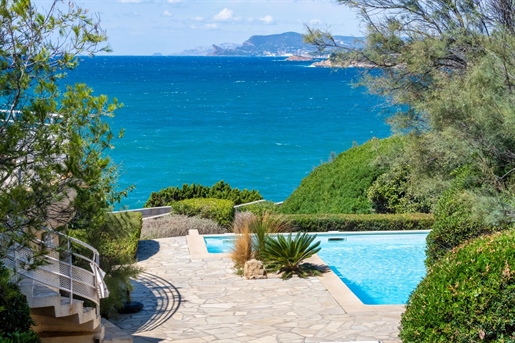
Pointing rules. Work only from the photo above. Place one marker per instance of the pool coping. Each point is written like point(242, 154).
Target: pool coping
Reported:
point(335, 286)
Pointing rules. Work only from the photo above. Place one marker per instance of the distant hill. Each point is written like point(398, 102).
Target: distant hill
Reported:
point(288, 43)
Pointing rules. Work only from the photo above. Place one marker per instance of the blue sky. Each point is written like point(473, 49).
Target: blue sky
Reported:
point(144, 27)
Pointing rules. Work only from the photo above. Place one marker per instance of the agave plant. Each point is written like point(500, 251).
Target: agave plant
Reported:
point(286, 254)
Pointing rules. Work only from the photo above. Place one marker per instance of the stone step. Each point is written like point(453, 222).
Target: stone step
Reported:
point(113, 334)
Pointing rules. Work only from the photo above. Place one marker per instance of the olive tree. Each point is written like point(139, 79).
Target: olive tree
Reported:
point(52, 135)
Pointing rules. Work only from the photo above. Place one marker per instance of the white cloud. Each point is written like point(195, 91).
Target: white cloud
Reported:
point(224, 15)
point(167, 13)
point(315, 22)
point(208, 26)
point(198, 18)
point(268, 19)
point(175, 1)
point(130, 0)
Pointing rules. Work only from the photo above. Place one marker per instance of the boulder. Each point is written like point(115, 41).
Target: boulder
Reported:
point(254, 269)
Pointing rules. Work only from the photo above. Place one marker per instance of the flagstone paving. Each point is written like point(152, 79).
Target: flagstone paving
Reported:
point(201, 300)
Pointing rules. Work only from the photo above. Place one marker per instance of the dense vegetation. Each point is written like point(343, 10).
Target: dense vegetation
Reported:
point(219, 190)
point(451, 68)
point(467, 295)
point(116, 240)
point(359, 222)
point(15, 320)
point(341, 186)
point(219, 210)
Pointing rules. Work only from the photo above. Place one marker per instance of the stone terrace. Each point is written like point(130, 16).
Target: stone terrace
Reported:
point(198, 298)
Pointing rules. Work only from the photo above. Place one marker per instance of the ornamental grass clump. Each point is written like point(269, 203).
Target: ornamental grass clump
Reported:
point(242, 250)
point(287, 254)
point(253, 231)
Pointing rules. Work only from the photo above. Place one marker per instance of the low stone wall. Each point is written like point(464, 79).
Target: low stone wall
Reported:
point(151, 212)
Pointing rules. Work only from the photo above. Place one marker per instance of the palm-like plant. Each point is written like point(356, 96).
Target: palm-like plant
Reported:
point(286, 254)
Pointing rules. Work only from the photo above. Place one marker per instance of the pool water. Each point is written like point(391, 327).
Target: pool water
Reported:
point(379, 268)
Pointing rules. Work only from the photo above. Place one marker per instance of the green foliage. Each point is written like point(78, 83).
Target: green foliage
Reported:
point(360, 222)
point(467, 296)
point(392, 192)
point(53, 136)
point(260, 208)
point(219, 190)
point(286, 254)
point(20, 337)
point(341, 186)
point(219, 210)
point(116, 239)
point(456, 218)
point(261, 227)
point(15, 320)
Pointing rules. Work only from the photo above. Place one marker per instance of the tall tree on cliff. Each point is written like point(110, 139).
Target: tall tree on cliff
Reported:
point(52, 138)
point(450, 66)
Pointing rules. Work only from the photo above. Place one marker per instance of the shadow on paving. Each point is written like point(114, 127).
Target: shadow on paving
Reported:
point(161, 300)
point(147, 249)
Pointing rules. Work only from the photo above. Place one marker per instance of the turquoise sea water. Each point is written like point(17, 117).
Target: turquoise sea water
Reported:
point(379, 268)
point(256, 123)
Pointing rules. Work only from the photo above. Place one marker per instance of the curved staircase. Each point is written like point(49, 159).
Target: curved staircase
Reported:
point(58, 291)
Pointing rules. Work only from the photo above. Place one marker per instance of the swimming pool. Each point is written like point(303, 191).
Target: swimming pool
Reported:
point(381, 268)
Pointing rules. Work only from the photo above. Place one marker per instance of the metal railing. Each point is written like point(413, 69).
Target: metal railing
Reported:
point(60, 269)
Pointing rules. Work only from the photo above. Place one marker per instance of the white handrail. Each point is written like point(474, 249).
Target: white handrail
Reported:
point(61, 274)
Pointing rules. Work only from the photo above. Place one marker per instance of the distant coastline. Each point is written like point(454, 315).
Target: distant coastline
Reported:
point(327, 63)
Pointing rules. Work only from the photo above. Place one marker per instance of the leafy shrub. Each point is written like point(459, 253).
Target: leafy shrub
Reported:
point(178, 225)
point(15, 320)
point(341, 185)
point(20, 337)
point(219, 190)
point(260, 208)
point(392, 192)
point(116, 240)
point(360, 222)
point(456, 220)
point(286, 254)
point(219, 210)
point(467, 296)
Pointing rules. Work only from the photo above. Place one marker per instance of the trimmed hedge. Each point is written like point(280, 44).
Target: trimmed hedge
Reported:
point(467, 296)
point(219, 210)
point(360, 222)
point(260, 208)
point(219, 190)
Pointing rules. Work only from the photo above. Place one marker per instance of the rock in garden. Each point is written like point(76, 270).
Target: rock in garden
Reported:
point(254, 269)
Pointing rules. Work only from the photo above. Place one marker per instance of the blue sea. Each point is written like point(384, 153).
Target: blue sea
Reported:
point(256, 123)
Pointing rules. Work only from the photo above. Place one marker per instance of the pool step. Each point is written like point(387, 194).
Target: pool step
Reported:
point(337, 239)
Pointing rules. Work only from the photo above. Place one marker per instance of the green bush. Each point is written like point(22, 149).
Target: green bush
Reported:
point(219, 190)
point(219, 210)
point(392, 192)
point(467, 296)
point(260, 208)
point(341, 186)
point(15, 320)
point(360, 222)
point(116, 240)
point(456, 218)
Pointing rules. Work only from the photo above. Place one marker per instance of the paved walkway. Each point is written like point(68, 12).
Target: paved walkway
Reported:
point(202, 300)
